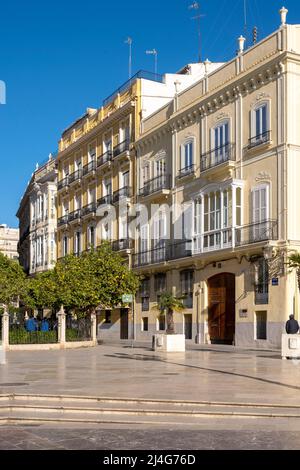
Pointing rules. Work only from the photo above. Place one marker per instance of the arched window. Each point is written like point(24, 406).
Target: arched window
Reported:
point(260, 124)
point(187, 155)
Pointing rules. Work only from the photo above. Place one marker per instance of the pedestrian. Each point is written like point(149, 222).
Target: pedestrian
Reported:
point(31, 324)
point(292, 326)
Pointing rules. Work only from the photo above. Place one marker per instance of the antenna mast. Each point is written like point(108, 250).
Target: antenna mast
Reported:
point(245, 20)
point(129, 42)
point(196, 6)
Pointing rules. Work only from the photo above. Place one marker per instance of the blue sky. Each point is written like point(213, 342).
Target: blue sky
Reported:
point(59, 57)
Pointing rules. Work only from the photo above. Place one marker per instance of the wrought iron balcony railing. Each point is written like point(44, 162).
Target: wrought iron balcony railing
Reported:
point(122, 193)
point(164, 252)
point(122, 244)
point(89, 168)
point(217, 156)
point(106, 157)
point(108, 199)
point(121, 147)
point(89, 209)
point(260, 139)
point(155, 185)
point(63, 183)
point(189, 170)
point(63, 220)
point(75, 215)
point(75, 176)
point(256, 232)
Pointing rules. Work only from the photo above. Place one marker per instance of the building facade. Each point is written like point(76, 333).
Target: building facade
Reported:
point(38, 220)
point(96, 174)
point(217, 175)
point(9, 238)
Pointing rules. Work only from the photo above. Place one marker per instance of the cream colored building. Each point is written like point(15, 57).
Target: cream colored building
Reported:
point(225, 155)
point(96, 173)
point(38, 220)
point(9, 238)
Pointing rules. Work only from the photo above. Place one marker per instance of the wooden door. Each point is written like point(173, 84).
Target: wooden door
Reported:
point(221, 308)
point(124, 323)
point(188, 326)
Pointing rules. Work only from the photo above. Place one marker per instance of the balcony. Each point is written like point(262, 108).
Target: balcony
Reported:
point(105, 158)
point(256, 232)
point(63, 220)
point(90, 209)
point(63, 183)
point(122, 244)
point(121, 148)
point(187, 171)
point(159, 184)
point(122, 193)
point(164, 252)
point(74, 177)
point(89, 168)
point(75, 216)
point(217, 157)
point(105, 200)
point(260, 139)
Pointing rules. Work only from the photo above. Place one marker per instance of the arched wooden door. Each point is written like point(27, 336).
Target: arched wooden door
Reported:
point(221, 308)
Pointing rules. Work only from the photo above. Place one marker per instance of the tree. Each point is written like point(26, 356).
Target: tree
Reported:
point(97, 278)
point(169, 304)
point(13, 283)
point(294, 263)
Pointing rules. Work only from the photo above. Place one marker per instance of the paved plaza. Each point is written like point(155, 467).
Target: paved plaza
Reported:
point(224, 375)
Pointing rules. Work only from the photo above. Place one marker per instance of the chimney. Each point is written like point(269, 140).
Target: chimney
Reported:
point(206, 65)
point(241, 42)
point(283, 13)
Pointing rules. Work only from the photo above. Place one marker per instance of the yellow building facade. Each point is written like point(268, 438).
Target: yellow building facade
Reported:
point(218, 173)
point(96, 175)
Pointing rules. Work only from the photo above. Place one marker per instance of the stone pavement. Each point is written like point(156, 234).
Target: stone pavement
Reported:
point(211, 374)
point(201, 374)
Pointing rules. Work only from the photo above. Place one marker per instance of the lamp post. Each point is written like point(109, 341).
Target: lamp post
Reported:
point(154, 53)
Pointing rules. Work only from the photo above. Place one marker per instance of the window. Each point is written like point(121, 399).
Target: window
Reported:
point(123, 228)
point(262, 283)
point(91, 236)
point(145, 304)
point(77, 243)
point(160, 282)
point(161, 323)
point(145, 324)
point(78, 163)
point(260, 127)
point(260, 214)
point(145, 287)
point(91, 195)
point(107, 143)
point(261, 325)
point(92, 153)
point(145, 174)
point(77, 202)
point(187, 155)
point(107, 316)
point(124, 182)
point(107, 187)
point(160, 167)
point(187, 287)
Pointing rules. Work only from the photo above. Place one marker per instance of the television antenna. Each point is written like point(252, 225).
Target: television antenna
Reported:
point(155, 54)
point(196, 6)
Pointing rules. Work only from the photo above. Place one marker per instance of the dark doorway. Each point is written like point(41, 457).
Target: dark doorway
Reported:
point(188, 326)
point(124, 323)
point(221, 308)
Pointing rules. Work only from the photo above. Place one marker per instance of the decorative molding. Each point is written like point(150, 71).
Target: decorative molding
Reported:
point(263, 176)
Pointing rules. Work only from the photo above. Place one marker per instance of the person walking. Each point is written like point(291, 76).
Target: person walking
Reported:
point(292, 326)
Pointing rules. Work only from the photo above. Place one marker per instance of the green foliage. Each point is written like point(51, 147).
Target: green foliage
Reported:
point(294, 261)
point(169, 304)
point(97, 278)
point(21, 336)
point(13, 283)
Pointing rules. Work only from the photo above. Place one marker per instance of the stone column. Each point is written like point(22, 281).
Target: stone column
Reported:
point(94, 328)
point(5, 330)
point(61, 327)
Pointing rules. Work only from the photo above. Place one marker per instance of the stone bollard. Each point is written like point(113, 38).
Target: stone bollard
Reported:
point(94, 328)
point(61, 327)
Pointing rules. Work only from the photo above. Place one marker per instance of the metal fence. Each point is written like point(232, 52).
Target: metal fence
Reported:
point(78, 329)
point(33, 330)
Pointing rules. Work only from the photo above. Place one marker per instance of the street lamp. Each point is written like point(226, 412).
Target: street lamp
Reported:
point(155, 53)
